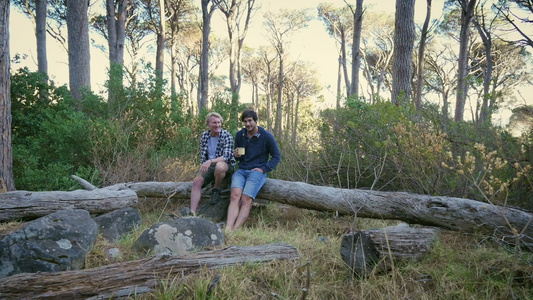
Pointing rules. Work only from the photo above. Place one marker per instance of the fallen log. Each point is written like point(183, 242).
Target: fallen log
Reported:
point(25, 205)
point(452, 213)
point(133, 277)
point(378, 249)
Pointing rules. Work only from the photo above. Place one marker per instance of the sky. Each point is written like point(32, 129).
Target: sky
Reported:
point(311, 44)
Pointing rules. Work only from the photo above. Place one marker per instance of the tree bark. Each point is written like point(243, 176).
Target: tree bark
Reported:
point(356, 47)
point(160, 51)
point(203, 80)
point(78, 49)
point(7, 182)
point(31, 205)
point(378, 249)
point(134, 277)
point(421, 52)
point(467, 13)
point(404, 37)
point(116, 13)
point(40, 35)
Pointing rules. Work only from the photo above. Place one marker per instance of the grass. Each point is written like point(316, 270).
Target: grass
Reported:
point(459, 266)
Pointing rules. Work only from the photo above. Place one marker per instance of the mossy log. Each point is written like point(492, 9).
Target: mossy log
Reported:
point(377, 249)
point(133, 278)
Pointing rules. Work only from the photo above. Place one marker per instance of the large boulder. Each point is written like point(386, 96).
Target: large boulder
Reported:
point(180, 236)
point(113, 225)
point(56, 242)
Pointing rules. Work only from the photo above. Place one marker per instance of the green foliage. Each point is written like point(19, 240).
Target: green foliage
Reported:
point(384, 147)
point(49, 142)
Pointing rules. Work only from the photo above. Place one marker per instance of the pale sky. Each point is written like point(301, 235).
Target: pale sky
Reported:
point(311, 44)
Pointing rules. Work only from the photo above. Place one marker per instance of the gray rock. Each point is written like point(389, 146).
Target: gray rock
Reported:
point(115, 224)
point(113, 254)
point(56, 242)
point(180, 236)
point(216, 212)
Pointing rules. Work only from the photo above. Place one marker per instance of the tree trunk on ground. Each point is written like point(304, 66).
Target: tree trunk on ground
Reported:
point(446, 212)
point(31, 205)
point(7, 182)
point(378, 249)
point(134, 277)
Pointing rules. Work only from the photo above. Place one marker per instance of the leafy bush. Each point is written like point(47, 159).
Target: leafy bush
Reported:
point(385, 147)
point(49, 135)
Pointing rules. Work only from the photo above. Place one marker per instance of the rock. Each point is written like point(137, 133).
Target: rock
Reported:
point(180, 236)
point(56, 242)
point(113, 254)
point(216, 212)
point(115, 224)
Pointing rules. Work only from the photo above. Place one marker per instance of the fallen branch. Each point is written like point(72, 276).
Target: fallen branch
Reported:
point(27, 205)
point(365, 250)
point(133, 277)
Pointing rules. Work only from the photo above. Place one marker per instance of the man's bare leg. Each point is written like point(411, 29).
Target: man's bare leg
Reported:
point(246, 205)
point(233, 209)
point(196, 192)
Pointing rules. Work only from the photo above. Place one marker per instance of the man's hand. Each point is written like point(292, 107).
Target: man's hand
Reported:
point(258, 170)
point(205, 166)
point(236, 152)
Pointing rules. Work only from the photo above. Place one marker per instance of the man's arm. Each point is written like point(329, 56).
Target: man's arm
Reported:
point(273, 150)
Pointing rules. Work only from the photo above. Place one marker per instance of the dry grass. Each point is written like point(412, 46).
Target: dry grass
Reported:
point(459, 266)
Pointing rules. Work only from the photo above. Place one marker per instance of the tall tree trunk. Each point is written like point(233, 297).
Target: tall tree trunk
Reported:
point(368, 76)
point(296, 119)
point(356, 46)
point(421, 50)
point(6, 159)
point(467, 13)
point(486, 37)
point(339, 75)
point(269, 94)
point(79, 57)
point(277, 126)
point(404, 36)
point(203, 81)
point(343, 61)
point(160, 52)
point(116, 34)
point(40, 35)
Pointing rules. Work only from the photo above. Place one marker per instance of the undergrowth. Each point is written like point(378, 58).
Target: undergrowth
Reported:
point(459, 266)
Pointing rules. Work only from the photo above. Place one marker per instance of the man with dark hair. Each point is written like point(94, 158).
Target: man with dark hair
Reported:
point(261, 155)
point(216, 145)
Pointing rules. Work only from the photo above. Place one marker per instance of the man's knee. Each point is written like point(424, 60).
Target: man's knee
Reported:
point(246, 201)
point(198, 182)
point(235, 194)
point(221, 166)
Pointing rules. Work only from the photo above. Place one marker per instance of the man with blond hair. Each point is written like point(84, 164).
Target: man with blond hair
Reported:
point(216, 153)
